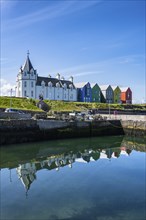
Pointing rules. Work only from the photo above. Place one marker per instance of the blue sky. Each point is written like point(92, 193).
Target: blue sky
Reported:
point(97, 41)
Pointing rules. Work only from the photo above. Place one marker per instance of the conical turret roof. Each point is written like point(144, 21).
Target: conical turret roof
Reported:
point(27, 65)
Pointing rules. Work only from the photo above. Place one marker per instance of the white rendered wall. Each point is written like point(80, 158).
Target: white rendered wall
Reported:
point(73, 95)
point(50, 93)
point(58, 93)
point(65, 94)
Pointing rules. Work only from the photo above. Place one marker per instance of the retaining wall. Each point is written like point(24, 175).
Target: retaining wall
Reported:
point(19, 131)
point(9, 115)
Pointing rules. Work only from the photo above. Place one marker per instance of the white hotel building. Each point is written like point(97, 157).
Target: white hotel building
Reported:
point(29, 84)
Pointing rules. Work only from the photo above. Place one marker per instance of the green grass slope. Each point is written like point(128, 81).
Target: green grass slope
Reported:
point(30, 104)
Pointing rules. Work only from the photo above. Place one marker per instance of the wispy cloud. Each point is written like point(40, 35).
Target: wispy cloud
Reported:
point(87, 73)
point(50, 12)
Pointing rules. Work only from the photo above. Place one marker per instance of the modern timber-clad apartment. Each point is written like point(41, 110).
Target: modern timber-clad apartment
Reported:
point(126, 95)
point(29, 84)
point(117, 94)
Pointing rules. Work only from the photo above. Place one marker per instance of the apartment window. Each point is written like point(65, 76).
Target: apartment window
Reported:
point(25, 84)
point(31, 84)
point(25, 93)
point(88, 91)
point(32, 93)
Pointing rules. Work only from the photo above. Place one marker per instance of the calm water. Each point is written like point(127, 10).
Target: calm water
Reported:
point(79, 179)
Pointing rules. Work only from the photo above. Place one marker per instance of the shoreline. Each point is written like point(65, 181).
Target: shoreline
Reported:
point(29, 130)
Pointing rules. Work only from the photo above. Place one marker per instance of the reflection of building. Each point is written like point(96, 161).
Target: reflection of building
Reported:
point(27, 172)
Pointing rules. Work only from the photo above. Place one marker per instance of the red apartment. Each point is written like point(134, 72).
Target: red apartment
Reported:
point(126, 95)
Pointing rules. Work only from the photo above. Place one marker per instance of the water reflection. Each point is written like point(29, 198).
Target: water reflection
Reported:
point(27, 172)
point(55, 157)
point(96, 179)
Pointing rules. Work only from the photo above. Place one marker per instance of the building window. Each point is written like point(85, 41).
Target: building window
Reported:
point(43, 84)
point(25, 74)
point(71, 96)
point(88, 92)
point(31, 84)
point(25, 84)
point(65, 86)
point(32, 93)
point(25, 93)
point(57, 85)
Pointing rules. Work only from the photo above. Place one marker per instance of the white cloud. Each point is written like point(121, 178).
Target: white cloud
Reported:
point(5, 88)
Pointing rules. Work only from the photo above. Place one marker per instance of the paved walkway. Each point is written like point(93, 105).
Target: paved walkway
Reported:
point(126, 117)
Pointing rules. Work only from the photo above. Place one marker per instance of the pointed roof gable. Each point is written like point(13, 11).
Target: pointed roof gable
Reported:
point(27, 65)
point(114, 87)
point(124, 89)
point(93, 84)
point(104, 87)
point(81, 84)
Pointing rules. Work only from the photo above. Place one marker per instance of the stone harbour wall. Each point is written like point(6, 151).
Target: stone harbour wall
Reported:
point(29, 130)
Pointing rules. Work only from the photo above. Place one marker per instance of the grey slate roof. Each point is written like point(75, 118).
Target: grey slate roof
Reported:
point(27, 65)
point(53, 81)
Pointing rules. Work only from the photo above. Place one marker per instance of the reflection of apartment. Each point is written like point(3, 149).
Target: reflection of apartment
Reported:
point(27, 172)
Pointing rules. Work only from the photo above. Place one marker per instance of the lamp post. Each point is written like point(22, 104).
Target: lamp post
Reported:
point(109, 110)
point(11, 98)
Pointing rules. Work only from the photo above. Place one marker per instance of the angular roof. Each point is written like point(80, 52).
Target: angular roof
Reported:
point(81, 84)
point(92, 84)
point(27, 65)
point(124, 89)
point(103, 87)
point(53, 81)
point(114, 87)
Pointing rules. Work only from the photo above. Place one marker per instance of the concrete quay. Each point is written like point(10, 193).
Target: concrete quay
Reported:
point(125, 117)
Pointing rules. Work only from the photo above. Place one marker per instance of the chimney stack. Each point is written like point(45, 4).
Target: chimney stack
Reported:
point(58, 76)
point(71, 79)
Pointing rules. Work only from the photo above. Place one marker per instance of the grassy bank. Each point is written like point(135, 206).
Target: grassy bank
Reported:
point(30, 104)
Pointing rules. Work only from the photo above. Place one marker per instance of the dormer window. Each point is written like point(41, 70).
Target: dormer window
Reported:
point(57, 85)
point(43, 84)
point(71, 87)
point(49, 84)
point(65, 86)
